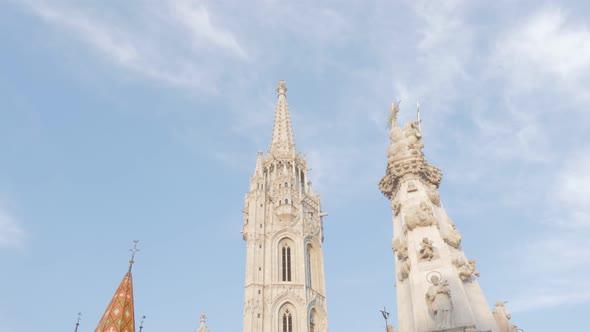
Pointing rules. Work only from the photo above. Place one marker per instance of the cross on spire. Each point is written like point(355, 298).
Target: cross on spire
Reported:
point(133, 251)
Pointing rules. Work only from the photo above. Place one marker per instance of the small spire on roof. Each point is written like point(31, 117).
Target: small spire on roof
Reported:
point(78, 322)
point(141, 323)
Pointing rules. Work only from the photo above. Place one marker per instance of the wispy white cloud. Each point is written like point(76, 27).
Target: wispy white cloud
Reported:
point(12, 234)
point(546, 42)
point(540, 301)
point(197, 20)
point(144, 43)
point(573, 191)
point(557, 254)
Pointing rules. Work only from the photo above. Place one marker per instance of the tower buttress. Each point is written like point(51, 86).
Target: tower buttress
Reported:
point(284, 283)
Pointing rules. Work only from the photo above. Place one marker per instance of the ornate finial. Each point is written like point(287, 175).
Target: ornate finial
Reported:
point(203, 318)
point(418, 121)
point(141, 323)
point(393, 114)
point(133, 251)
point(281, 88)
point(78, 321)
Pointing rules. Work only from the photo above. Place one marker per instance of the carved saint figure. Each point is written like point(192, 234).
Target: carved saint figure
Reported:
point(438, 300)
point(502, 317)
point(427, 250)
point(405, 142)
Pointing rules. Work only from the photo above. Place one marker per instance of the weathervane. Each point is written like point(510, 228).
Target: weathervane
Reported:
point(78, 322)
point(141, 323)
point(385, 315)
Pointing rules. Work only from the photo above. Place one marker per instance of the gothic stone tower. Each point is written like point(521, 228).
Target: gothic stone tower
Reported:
point(284, 288)
point(437, 288)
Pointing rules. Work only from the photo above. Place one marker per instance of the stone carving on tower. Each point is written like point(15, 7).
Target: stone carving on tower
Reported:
point(283, 229)
point(437, 289)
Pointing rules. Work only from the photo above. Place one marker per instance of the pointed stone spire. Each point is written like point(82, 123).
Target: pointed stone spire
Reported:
point(119, 315)
point(258, 169)
point(282, 133)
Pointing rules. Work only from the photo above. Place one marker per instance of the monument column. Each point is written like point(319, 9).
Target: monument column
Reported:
point(437, 288)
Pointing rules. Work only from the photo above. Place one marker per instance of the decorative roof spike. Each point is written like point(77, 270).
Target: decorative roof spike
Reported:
point(119, 315)
point(282, 133)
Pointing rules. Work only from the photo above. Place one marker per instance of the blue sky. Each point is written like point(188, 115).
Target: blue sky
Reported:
point(142, 120)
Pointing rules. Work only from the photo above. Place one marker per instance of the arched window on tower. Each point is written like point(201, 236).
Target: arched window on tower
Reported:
point(286, 263)
point(287, 321)
point(286, 201)
point(312, 321)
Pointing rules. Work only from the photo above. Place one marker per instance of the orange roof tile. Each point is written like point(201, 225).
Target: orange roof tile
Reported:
point(119, 315)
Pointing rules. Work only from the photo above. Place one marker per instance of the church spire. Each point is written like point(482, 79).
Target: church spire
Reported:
point(282, 133)
point(119, 315)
